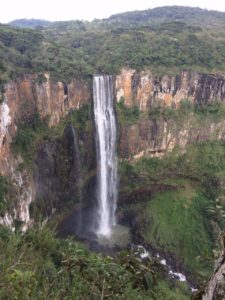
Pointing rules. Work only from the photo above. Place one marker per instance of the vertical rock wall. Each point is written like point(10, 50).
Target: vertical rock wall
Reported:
point(144, 89)
point(22, 98)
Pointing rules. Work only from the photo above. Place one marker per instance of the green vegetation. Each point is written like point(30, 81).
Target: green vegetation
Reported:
point(214, 111)
point(18, 47)
point(159, 15)
point(27, 137)
point(179, 225)
point(178, 200)
point(7, 197)
point(3, 192)
point(187, 216)
point(36, 265)
point(34, 130)
point(165, 40)
point(127, 115)
point(184, 214)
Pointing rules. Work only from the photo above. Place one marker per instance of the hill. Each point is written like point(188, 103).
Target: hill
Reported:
point(190, 15)
point(29, 23)
point(165, 40)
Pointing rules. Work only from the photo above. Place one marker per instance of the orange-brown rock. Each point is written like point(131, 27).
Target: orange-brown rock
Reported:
point(144, 89)
point(156, 137)
point(24, 97)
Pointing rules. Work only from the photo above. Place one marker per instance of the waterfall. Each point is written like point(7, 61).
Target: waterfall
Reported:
point(105, 124)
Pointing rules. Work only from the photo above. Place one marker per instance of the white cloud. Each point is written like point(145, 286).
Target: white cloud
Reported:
point(87, 9)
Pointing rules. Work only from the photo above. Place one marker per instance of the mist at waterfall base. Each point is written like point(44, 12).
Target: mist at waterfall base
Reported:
point(97, 224)
point(105, 139)
point(108, 232)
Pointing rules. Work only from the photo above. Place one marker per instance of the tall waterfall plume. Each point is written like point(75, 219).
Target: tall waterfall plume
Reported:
point(105, 123)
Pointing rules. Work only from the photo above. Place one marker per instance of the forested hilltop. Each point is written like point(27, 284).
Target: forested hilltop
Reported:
point(164, 39)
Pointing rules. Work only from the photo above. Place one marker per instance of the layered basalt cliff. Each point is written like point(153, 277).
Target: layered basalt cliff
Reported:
point(22, 99)
point(156, 137)
point(65, 171)
point(144, 89)
point(147, 136)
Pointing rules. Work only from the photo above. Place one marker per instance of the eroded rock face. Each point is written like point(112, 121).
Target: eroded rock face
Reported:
point(64, 171)
point(215, 289)
point(156, 137)
point(144, 89)
point(22, 98)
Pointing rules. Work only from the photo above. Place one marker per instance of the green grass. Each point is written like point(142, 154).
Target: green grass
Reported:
point(186, 218)
point(177, 224)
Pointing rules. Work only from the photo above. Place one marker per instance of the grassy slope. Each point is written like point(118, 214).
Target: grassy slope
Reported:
point(185, 220)
point(178, 226)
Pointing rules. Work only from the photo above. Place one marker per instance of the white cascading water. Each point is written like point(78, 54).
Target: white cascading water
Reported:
point(105, 123)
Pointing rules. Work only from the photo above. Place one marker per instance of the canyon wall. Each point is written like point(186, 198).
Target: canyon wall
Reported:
point(150, 136)
point(156, 137)
point(23, 98)
point(153, 135)
point(144, 89)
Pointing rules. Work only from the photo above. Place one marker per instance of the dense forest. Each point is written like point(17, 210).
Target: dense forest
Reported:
point(182, 38)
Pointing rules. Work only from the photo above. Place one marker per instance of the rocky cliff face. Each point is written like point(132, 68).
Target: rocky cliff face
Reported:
point(65, 171)
point(144, 89)
point(148, 136)
point(156, 137)
point(21, 100)
point(215, 289)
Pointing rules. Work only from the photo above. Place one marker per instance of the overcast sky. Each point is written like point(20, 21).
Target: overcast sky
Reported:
point(88, 9)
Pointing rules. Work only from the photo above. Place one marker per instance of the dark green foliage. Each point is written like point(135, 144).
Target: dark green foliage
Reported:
point(7, 197)
point(3, 191)
point(214, 111)
point(127, 114)
point(27, 136)
point(80, 117)
point(41, 78)
point(17, 50)
point(39, 266)
point(215, 108)
point(177, 14)
point(165, 40)
point(187, 217)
